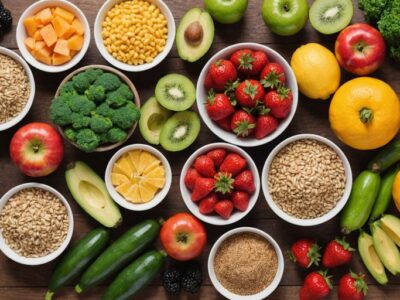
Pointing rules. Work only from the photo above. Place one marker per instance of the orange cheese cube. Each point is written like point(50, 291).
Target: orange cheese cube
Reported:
point(43, 55)
point(58, 59)
point(44, 16)
point(65, 14)
point(62, 47)
point(30, 43)
point(60, 26)
point(75, 42)
point(78, 27)
point(39, 45)
point(49, 35)
point(37, 36)
point(68, 33)
point(31, 25)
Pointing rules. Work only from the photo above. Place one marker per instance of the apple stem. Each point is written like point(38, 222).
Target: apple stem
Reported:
point(366, 115)
point(286, 7)
point(360, 47)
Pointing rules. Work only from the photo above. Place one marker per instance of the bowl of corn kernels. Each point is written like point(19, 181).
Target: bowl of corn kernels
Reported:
point(134, 35)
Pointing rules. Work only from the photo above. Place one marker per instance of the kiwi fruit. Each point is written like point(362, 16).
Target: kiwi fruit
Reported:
point(331, 16)
point(180, 131)
point(175, 92)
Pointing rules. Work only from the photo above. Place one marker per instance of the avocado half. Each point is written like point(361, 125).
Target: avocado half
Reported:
point(195, 34)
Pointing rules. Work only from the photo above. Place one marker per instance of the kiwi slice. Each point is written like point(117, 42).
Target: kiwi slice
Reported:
point(331, 16)
point(180, 131)
point(175, 92)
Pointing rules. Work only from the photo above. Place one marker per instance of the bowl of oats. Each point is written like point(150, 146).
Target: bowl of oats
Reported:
point(17, 88)
point(36, 224)
point(306, 180)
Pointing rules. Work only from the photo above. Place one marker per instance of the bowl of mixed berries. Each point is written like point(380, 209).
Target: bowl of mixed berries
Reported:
point(247, 94)
point(220, 183)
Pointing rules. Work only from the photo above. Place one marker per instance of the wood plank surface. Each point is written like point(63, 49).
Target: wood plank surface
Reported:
point(19, 282)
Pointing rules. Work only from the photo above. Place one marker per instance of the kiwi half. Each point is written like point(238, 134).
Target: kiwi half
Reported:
point(180, 131)
point(331, 16)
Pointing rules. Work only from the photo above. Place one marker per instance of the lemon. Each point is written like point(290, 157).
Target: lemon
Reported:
point(317, 71)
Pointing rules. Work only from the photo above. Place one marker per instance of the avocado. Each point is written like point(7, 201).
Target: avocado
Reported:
point(370, 258)
point(386, 249)
point(153, 117)
point(90, 191)
point(391, 226)
point(195, 34)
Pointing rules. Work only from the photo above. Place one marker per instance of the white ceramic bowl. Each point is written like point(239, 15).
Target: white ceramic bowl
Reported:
point(44, 259)
point(267, 291)
point(108, 4)
point(194, 207)
point(21, 35)
point(158, 197)
point(307, 222)
point(32, 86)
point(201, 95)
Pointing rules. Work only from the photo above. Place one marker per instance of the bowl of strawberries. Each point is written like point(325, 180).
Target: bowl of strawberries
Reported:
point(220, 183)
point(247, 94)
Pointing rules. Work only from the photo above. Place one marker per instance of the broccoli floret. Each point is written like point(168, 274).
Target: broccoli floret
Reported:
point(109, 81)
point(115, 99)
point(87, 140)
point(105, 110)
point(100, 124)
point(68, 89)
point(60, 112)
point(79, 121)
point(125, 116)
point(115, 135)
point(92, 74)
point(103, 138)
point(81, 105)
point(125, 91)
point(96, 93)
point(81, 82)
point(70, 134)
point(373, 9)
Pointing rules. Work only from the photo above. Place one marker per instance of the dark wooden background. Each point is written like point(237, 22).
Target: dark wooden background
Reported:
point(18, 282)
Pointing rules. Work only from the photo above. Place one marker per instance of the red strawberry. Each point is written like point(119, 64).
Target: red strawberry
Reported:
point(233, 163)
point(243, 123)
point(249, 93)
point(222, 72)
point(305, 252)
point(279, 102)
point(205, 166)
point(219, 106)
point(208, 83)
point(202, 187)
point(265, 125)
point(225, 123)
point(240, 200)
point(244, 181)
point(273, 76)
point(242, 60)
point(260, 60)
point(190, 178)
point(317, 285)
point(352, 286)
point(224, 208)
point(217, 155)
point(338, 252)
point(207, 204)
point(305, 294)
point(224, 184)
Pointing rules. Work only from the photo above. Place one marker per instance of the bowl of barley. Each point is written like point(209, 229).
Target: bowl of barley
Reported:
point(36, 224)
point(306, 180)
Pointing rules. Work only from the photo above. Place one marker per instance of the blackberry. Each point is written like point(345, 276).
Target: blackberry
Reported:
point(5, 19)
point(192, 279)
point(171, 279)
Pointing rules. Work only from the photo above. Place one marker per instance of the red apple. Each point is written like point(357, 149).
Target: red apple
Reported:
point(37, 149)
point(360, 49)
point(183, 236)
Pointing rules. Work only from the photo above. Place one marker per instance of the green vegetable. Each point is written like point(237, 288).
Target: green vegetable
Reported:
point(115, 99)
point(96, 93)
point(87, 140)
point(125, 116)
point(68, 89)
point(125, 91)
point(81, 82)
point(373, 9)
point(60, 112)
point(76, 259)
point(115, 135)
point(100, 124)
point(135, 276)
point(81, 104)
point(105, 110)
point(119, 253)
point(79, 121)
point(386, 157)
point(92, 74)
point(109, 81)
point(70, 133)
point(358, 208)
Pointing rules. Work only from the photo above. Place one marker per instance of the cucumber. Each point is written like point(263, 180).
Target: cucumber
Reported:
point(77, 258)
point(385, 194)
point(363, 194)
point(386, 158)
point(119, 253)
point(135, 276)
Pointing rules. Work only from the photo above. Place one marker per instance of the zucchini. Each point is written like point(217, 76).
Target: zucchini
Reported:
point(119, 253)
point(363, 194)
point(135, 276)
point(386, 158)
point(77, 258)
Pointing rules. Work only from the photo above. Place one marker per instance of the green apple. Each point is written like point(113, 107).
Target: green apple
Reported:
point(285, 17)
point(226, 11)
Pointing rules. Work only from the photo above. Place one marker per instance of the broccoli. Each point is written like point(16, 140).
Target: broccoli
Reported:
point(105, 110)
point(81, 82)
point(70, 133)
point(373, 9)
point(60, 112)
point(96, 93)
point(87, 140)
point(79, 121)
point(115, 135)
point(81, 104)
point(109, 81)
point(125, 116)
point(92, 74)
point(115, 99)
point(100, 124)
point(125, 91)
point(68, 89)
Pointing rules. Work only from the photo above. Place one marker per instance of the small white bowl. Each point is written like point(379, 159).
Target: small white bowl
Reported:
point(201, 95)
point(268, 290)
point(194, 207)
point(158, 197)
point(34, 261)
point(307, 222)
point(98, 25)
point(21, 35)
point(32, 86)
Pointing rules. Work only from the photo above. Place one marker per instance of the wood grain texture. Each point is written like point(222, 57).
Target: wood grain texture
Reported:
point(28, 283)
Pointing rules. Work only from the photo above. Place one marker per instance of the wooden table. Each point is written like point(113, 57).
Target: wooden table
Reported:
point(18, 282)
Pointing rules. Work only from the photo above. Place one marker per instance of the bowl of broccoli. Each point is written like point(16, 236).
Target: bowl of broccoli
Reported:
point(96, 108)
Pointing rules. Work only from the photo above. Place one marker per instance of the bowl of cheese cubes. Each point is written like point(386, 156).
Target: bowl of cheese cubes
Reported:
point(53, 36)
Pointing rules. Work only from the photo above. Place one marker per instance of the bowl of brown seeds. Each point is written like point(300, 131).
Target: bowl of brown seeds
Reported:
point(306, 180)
point(245, 264)
point(36, 224)
point(17, 88)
